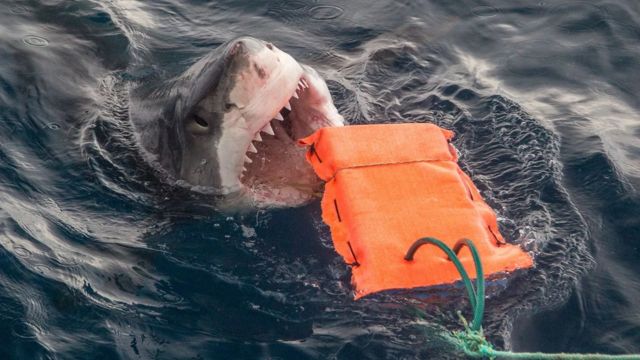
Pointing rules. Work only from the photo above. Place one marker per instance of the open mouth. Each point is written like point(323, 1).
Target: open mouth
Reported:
point(274, 166)
point(281, 125)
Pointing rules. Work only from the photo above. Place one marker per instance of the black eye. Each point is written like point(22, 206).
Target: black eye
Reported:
point(202, 122)
point(228, 106)
point(270, 46)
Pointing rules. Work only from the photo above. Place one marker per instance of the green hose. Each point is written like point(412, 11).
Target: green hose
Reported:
point(471, 340)
point(476, 295)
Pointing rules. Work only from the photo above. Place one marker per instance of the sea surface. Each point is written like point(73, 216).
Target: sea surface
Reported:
point(99, 259)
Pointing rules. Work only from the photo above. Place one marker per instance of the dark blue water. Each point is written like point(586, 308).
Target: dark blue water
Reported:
point(101, 260)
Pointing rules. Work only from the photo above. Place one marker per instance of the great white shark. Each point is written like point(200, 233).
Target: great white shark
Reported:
point(228, 125)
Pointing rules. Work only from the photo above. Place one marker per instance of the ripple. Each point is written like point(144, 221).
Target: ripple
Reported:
point(22, 331)
point(171, 298)
point(260, 291)
point(22, 252)
point(288, 11)
point(325, 12)
point(537, 49)
point(36, 41)
point(576, 16)
point(295, 5)
point(19, 9)
point(485, 20)
point(66, 262)
point(485, 11)
point(42, 268)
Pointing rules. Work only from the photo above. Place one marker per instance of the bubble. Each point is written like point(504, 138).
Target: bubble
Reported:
point(325, 12)
point(34, 40)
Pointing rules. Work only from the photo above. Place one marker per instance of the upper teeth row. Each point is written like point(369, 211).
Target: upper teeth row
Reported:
point(302, 84)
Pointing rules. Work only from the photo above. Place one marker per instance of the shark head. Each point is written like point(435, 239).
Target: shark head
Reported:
point(230, 124)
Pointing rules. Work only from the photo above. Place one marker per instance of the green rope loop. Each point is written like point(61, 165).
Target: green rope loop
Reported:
point(472, 340)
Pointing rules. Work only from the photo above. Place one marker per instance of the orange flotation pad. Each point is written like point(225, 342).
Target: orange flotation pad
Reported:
point(388, 185)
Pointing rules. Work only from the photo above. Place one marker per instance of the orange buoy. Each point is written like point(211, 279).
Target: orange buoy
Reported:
point(388, 185)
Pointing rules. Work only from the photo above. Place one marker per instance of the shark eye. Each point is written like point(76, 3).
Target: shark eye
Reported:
point(200, 121)
point(270, 46)
point(228, 106)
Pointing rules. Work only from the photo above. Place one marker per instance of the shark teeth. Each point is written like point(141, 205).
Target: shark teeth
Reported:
point(268, 129)
point(247, 159)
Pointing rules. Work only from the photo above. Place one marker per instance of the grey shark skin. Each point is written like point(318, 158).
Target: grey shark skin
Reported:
point(228, 124)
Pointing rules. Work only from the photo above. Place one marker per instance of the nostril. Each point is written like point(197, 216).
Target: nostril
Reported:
point(237, 48)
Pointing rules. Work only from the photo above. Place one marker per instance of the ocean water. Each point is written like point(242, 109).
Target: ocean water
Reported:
point(99, 259)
